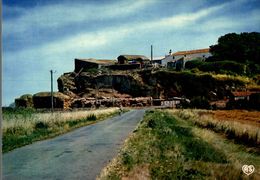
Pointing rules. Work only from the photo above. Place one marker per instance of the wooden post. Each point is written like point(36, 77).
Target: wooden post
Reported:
point(51, 90)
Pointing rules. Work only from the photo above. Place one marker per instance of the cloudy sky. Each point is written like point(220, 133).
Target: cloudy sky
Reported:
point(40, 35)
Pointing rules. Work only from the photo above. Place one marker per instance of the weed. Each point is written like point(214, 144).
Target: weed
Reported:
point(41, 125)
point(92, 117)
point(127, 160)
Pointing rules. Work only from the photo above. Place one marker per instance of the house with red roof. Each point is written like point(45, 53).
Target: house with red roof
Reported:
point(181, 57)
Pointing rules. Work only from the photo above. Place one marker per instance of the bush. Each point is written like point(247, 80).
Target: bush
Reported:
point(41, 125)
point(230, 67)
point(200, 102)
point(238, 104)
point(193, 64)
point(92, 117)
point(254, 101)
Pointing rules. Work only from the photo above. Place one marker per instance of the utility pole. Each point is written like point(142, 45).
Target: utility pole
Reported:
point(52, 104)
point(151, 53)
point(51, 90)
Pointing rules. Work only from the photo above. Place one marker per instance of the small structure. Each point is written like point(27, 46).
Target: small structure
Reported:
point(240, 95)
point(133, 59)
point(86, 64)
point(157, 60)
point(43, 100)
point(25, 101)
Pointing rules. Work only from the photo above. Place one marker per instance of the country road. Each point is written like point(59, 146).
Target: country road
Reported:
point(80, 154)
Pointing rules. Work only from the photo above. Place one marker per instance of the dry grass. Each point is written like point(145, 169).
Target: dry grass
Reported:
point(236, 154)
point(24, 128)
point(225, 77)
point(18, 121)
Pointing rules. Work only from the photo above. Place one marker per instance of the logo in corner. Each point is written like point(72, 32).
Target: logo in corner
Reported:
point(248, 169)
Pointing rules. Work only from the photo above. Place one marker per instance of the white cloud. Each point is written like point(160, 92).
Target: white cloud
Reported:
point(53, 16)
point(92, 40)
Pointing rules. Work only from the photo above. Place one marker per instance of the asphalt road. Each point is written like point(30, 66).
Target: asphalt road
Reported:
point(80, 154)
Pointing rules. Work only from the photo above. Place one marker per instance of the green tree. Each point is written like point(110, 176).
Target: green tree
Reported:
point(244, 48)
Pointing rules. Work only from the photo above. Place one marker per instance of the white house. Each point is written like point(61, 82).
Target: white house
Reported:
point(182, 57)
point(192, 54)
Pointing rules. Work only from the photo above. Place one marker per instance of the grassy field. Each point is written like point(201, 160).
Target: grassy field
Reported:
point(24, 126)
point(169, 144)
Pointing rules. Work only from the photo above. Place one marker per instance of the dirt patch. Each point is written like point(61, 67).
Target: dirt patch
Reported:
point(138, 173)
point(242, 116)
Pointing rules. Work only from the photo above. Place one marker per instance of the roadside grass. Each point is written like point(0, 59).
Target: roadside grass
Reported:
point(164, 146)
point(241, 132)
point(21, 128)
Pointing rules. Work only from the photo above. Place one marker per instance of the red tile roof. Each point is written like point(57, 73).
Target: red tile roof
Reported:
point(242, 93)
point(179, 53)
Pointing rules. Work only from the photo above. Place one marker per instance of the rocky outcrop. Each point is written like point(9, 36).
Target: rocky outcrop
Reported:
point(147, 83)
point(88, 84)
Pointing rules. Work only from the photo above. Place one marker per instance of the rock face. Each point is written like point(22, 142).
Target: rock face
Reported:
point(146, 83)
point(87, 84)
point(130, 88)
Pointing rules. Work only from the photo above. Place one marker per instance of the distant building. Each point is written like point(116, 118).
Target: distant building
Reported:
point(192, 54)
point(133, 59)
point(181, 57)
point(157, 60)
point(43, 100)
point(84, 64)
point(240, 95)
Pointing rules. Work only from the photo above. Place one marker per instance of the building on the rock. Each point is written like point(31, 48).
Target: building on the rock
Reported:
point(181, 57)
point(133, 59)
point(87, 64)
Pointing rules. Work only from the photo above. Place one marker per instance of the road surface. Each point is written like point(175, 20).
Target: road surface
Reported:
point(80, 154)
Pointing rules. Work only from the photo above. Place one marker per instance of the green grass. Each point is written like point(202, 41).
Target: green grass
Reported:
point(21, 128)
point(173, 148)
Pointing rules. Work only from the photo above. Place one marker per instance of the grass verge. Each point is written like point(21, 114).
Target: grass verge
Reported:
point(20, 128)
point(167, 147)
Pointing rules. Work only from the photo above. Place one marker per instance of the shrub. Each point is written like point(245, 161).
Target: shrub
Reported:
point(127, 160)
point(200, 102)
point(92, 117)
point(41, 125)
point(230, 67)
point(254, 101)
point(193, 64)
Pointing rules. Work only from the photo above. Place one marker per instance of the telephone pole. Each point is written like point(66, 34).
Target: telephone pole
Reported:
point(52, 104)
point(51, 90)
point(151, 53)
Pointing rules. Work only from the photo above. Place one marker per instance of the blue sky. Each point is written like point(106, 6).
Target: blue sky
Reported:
point(40, 35)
